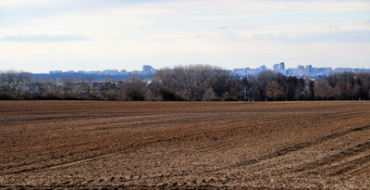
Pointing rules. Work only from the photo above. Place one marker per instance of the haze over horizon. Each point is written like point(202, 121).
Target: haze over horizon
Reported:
point(42, 35)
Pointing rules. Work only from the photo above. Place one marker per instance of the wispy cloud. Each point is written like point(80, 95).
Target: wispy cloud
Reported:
point(340, 36)
point(44, 38)
point(181, 32)
point(238, 26)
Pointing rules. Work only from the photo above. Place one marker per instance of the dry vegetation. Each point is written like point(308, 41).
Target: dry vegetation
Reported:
point(85, 144)
point(186, 83)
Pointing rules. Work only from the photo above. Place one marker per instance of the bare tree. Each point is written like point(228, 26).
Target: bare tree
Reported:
point(4, 87)
point(342, 89)
point(12, 84)
point(365, 88)
point(255, 92)
point(11, 80)
point(192, 81)
point(274, 90)
point(356, 91)
point(209, 95)
point(149, 96)
point(23, 81)
point(47, 89)
point(69, 87)
point(86, 86)
point(135, 89)
point(323, 90)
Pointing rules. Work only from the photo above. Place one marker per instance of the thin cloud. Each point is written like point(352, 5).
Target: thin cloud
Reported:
point(340, 36)
point(238, 26)
point(44, 38)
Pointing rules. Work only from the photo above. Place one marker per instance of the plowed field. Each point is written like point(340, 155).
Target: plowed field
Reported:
point(179, 145)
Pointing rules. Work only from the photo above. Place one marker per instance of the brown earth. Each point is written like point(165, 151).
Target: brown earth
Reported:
point(184, 145)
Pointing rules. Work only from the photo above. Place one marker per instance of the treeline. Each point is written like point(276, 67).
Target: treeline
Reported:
point(337, 86)
point(187, 83)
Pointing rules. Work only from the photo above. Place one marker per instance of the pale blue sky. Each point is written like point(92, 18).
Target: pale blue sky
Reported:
point(43, 35)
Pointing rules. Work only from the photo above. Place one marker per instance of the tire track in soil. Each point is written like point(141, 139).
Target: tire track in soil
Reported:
point(279, 153)
point(343, 167)
point(365, 168)
point(148, 187)
point(282, 120)
point(192, 134)
point(46, 151)
point(53, 165)
point(132, 146)
point(282, 152)
point(351, 165)
point(285, 151)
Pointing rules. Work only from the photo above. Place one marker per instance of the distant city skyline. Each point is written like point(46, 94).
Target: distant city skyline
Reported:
point(299, 70)
point(232, 69)
point(43, 35)
point(139, 68)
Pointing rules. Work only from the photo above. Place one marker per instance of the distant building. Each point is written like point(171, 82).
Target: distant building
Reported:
point(238, 70)
point(114, 72)
point(81, 72)
point(359, 69)
point(322, 70)
point(280, 68)
point(252, 71)
point(56, 72)
point(110, 72)
point(343, 69)
point(123, 72)
point(93, 72)
point(70, 71)
point(147, 68)
point(275, 67)
point(263, 68)
point(309, 68)
point(290, 72)
point(300, 70)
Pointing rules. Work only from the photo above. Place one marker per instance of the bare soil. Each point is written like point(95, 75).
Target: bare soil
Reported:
point(184, 145)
